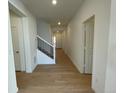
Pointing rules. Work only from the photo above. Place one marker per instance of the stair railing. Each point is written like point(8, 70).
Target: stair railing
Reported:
point(46, 47)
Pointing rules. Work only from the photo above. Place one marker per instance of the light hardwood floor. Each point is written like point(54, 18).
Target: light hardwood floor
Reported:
point(62, 77)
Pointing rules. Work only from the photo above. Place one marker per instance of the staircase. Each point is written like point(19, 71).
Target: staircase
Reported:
point(46, 51)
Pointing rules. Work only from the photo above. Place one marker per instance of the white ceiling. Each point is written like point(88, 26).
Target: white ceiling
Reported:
point(63, 11)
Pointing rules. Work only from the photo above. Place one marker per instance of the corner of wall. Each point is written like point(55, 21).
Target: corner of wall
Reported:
point(34, 66)
point(79, 68)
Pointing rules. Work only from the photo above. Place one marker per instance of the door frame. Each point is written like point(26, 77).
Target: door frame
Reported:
point(21, 33)
point(84, 41)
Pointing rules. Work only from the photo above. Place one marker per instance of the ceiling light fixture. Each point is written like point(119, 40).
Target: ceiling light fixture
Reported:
point(59, 23)
point(54, 2)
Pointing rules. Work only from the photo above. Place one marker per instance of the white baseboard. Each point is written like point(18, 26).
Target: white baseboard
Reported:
point(34, 67)
point(76, 64)
point(17, 89)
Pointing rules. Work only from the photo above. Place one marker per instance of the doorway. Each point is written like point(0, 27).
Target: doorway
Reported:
point(88, 44)
point(14, 19)
point(17, 41)
point(58, 36)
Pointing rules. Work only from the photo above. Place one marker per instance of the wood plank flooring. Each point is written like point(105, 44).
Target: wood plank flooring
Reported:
point(62, 77)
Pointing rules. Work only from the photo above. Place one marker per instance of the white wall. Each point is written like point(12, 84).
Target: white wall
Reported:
point(43, 58)
point(74, 39)
point(111, 63)
point(33, 41)
point(66, 41)
point(44, 30)
point(12, 87)
point(29, 34)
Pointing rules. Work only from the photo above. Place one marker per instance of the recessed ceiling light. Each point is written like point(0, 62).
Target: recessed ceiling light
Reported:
point(59, 23)
point(54, 2)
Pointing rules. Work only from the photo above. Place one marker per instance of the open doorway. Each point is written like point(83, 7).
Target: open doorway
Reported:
point(88, 45)
point(58, 35)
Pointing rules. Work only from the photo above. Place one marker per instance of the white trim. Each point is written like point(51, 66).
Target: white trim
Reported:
point(21, 45)
point(17, 89)
point(27, 46)
point(21, 36)
point(54, 48)
point(83, 46)
point(77, 65)
point(12, 5)
point(26, 58)
point(83, 42)
point(35, 65)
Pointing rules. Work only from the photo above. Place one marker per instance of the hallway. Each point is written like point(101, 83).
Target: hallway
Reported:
point(60, 78)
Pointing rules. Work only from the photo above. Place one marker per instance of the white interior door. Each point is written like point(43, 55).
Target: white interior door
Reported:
point(15, 40)
point(58, 39)
point(89, 37)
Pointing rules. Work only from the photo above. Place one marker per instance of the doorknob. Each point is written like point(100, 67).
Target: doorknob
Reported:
point(17, 51)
